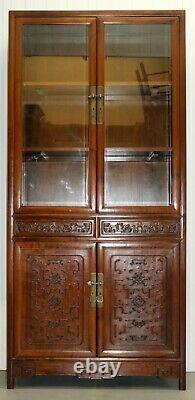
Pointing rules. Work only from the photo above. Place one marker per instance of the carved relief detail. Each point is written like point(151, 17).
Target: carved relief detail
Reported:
point(128, 228)
point(83, 228)
point(164, 371)
point(138, 296)
point(54, 300)
point(24, 370)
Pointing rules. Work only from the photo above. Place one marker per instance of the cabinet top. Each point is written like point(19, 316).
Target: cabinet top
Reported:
point(98, 13)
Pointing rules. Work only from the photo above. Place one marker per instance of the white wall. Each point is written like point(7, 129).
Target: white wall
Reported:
point(189, 6)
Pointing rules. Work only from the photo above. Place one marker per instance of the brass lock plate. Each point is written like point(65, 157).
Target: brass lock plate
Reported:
point(100, 105)
point(100, 290)
point(92, 105)
point(92, 289)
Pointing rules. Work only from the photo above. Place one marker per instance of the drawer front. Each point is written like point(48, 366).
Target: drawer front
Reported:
point(122, 227)
point(67, 227)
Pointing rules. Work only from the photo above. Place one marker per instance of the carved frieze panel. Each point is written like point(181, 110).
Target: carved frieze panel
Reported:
point(135, 228)
point(63, 227)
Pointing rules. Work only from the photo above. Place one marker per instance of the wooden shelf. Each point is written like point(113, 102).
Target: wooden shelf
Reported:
point(127, 83)
point(139, 149)
point(142, 154)
point(117, 149)
point(136, 83)
point(53, 149)
point(33, 83)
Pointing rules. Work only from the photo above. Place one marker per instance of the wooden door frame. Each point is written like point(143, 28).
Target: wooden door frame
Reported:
point(168, 248)
point(27, 250)
point(15, 97)
point(177, 115)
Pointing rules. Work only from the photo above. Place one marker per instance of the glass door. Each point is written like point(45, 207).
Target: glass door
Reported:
point(138, 134)
point(57, 138)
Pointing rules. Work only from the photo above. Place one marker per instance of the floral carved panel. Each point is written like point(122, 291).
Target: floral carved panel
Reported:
point(54, 307)
point(139, 300)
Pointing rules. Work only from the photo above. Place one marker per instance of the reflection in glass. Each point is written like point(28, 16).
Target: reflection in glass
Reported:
point(53, 178)
point(137, 177)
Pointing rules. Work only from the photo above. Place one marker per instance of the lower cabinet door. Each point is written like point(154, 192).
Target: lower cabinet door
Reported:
point(140, 313)
point(52, 312)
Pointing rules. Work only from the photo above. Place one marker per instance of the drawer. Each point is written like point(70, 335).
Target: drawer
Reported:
point(125, 227)
point(45, 227)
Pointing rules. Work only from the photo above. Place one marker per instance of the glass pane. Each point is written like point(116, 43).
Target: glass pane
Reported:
point(55, 115)
point(138, 80)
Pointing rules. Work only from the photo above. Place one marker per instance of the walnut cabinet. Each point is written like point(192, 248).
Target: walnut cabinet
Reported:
point(96, 213)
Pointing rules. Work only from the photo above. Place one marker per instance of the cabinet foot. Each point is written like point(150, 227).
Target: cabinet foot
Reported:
point(10, 380)
point(182, 381)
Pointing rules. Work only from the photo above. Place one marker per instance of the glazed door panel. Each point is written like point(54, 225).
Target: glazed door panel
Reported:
point(138, 135)
point(55, 71)
point(140, 316)
point(52, 314)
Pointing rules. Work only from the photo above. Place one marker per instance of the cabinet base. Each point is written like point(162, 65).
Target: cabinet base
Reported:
point(162, 369)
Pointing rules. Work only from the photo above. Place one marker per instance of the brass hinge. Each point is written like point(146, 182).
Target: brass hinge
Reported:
point(96, 295)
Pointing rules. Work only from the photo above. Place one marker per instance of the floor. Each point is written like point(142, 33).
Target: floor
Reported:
point(57, 388)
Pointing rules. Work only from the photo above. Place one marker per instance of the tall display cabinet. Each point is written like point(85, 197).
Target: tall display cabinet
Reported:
point(96, 216)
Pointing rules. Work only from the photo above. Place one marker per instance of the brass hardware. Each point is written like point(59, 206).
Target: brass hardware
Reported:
point(100, 290)
point(92, 285)
point(96, 104)
point(92, 96)
point(100, 104)
point(92, 105)
point(96, 294)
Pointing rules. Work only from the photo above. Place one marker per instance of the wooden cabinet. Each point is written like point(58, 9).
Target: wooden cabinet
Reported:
point(96, 213)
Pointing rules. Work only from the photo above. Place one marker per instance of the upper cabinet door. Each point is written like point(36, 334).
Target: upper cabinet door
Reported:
point(54, 70)
point(138, 135)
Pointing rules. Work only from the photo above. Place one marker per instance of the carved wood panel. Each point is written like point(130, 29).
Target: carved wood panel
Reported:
point(140, 299)
point(53, 314)
point(126, 227)
point(55, 303)
point(64, 227)
point(138, 295)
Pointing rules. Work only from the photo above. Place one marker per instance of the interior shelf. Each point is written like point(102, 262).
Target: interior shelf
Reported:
point(54, 149)
point(119, 154)
point(137, 156)
point(136, 83)
point(107, 149)
point(107, 83)
point(54, 83)
point(138, 149)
